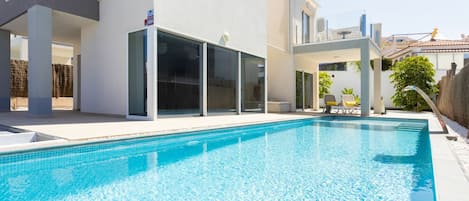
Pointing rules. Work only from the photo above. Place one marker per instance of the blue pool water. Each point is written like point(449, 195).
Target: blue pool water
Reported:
point(316, 159)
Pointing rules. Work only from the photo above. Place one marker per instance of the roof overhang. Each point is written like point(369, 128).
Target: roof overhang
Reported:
point(66, 28)
point(14, 8)
point(338, 51)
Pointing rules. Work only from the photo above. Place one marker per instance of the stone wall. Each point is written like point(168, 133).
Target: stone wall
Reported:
point(453, 100)
point(62, 79)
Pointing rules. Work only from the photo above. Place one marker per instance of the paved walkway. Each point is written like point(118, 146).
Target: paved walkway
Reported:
point(75, 126)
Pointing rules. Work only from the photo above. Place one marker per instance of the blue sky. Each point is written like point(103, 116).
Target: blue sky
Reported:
point(451, 17)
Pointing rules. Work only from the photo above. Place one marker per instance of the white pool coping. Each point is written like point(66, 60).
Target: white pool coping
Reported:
point(451, 183)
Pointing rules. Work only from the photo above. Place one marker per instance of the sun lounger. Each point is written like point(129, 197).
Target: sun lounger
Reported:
point(348, 103)
point(330, 103)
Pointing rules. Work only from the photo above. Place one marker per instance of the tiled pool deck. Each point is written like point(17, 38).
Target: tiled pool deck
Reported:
point(77, 128)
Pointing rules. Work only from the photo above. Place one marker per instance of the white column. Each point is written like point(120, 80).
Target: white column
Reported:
point(204, 88)
point(316, 90)
point(238, 88)
point(378, 105)
point(365, 79)
point(40, 60)
point(266, 87)
point(152, 75)
point(76, 76)
point(4, 71)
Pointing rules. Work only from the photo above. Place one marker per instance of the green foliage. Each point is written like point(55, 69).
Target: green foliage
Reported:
point(416, 71)
point(325, 83)
point(349, 91)
point(386, 64)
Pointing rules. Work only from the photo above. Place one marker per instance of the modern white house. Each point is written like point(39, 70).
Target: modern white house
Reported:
point(299, 41)
point(143, 58)
point(147, 59)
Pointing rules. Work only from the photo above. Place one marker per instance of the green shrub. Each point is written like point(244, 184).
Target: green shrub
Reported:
point(325, 83)
point(349, 91)
point(417, 71)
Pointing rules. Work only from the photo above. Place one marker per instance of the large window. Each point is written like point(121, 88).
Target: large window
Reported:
point(179, 66)
point(252, 83)
point(342, 66)
point(304, 90)
point(299, 90)
point(137, 77)
point(222, 73)
point(305, 27)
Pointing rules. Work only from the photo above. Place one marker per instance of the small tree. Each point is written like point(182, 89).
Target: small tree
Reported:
point(417, 71)
point(325, 83)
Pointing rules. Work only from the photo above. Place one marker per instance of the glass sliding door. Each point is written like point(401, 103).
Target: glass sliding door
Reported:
point(252, 83)
point(179, 67)
point(137, 74)
point(308, 90)
point(222, 73)
point(304, 90)
point(299, 90)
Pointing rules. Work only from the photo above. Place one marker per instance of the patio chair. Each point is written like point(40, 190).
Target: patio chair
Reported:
point(330, 103)
point(348, 103)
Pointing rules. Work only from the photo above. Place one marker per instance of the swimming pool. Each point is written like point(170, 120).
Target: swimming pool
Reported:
point(329, 158)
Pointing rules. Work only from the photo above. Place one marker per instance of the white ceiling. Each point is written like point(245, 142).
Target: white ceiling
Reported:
point(66, 28)
point(337, 51)
point(344, 55)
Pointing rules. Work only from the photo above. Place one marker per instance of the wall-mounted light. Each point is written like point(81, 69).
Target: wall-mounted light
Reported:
point(225, 38)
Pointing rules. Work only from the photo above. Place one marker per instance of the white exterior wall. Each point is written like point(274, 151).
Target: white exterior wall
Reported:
point(348, 79)
point(104, 43)
point(442, 62)
point(284, 31)
point(244, 20)
point(104, 55)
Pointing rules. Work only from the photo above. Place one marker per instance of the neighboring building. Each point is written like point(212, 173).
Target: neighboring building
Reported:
point(393, 44)
point(145, 59)
point(441, 53)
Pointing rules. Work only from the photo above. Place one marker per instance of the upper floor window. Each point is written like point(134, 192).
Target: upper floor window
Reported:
point(305, 27)
point(341, 66)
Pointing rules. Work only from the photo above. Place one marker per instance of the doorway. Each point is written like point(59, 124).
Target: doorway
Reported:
point(137, 74)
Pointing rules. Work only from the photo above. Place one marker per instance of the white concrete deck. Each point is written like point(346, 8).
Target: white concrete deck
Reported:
point(75, 126)
point(78, 128)
point(450, 180)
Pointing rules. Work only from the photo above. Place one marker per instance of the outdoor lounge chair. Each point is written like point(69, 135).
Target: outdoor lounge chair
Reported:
point(348, 103)
point(330, 102)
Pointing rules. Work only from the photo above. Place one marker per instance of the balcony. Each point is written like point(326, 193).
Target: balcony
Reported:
point(342, 27)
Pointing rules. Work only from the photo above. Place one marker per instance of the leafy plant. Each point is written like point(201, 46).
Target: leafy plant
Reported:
point(386, 64)
point(325, 83)
point(417, 71)
point(349, 91)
